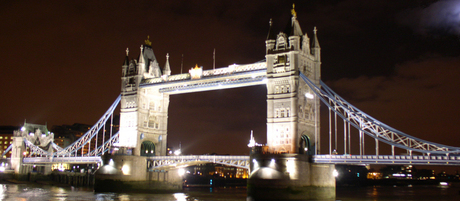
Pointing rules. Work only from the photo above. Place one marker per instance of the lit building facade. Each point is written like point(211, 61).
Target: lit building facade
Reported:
point(6, 139)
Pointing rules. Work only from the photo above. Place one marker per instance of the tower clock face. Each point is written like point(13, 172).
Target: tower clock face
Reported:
point(142, 136)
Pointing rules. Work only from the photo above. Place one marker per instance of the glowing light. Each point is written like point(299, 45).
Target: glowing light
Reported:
point(290, 166)
point(180, 196)
point(335, 173)
point(443, 183)
point(23, 128)
point(256, 165)
point(399, 175)
point(181, 172)
point(111, 163)
point(309, 95)
point(177, 152)
point(125, 169)
point(2, 169)
point(196, 73)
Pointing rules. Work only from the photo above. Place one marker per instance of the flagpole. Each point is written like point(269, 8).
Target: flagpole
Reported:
point(214, 59)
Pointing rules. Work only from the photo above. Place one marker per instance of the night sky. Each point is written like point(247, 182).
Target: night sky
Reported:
point(396, 60)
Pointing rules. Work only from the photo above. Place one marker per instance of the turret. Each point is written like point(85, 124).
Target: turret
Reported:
point(316, 50)
point(295, 32)
point(125, 64)
point(270, 42)
point(167, 69)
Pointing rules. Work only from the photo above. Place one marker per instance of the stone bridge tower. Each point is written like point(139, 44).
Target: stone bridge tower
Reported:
point(144, 112)
point(286, 172)
point(292, 109)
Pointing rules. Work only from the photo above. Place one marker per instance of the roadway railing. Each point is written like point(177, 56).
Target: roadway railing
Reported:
point(164, 162)
point(79, 160)
point(388, 159)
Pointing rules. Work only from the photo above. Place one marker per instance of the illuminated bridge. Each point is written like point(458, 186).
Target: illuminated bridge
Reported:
point(291, 72)
point(421, 152)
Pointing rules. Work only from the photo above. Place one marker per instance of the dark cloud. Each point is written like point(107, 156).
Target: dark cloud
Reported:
point(441, 16)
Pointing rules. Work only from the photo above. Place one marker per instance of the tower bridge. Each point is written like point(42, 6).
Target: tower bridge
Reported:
point(291, 72)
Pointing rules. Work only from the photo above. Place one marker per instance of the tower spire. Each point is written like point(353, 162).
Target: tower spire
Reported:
point(270, 35)
point(167, 69)
point(315, 40)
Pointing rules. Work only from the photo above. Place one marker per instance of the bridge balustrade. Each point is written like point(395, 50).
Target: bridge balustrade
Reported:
point(388, 159)
point(165, 162)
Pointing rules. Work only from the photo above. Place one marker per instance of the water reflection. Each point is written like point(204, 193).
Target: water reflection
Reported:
point(23, 192)
point(180, 196)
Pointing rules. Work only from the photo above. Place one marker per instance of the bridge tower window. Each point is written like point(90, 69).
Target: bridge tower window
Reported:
point(153, 122)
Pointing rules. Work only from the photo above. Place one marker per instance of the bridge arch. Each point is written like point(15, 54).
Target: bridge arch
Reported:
point(304, 144)
point(147, 148)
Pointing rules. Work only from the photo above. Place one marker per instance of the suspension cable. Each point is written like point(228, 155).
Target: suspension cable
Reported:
point(330, 133)
point(344, 137)
point(360, 140)
point(335, 130)
point(376, 147)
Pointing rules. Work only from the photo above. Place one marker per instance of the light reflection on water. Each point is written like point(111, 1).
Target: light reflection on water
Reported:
point(26, 192)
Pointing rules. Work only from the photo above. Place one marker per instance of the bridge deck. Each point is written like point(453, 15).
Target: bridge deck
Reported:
point(166, 162)
point(221, 78)
point(388, 159)
point(72, 160)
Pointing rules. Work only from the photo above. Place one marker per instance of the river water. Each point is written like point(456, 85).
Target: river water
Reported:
point(37, 192)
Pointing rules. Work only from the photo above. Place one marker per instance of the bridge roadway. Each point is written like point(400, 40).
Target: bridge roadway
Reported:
point(72, 160)
point(167, 162)
point(206, 80)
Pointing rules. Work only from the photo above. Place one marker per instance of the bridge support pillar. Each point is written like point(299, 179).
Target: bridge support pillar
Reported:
point(289, 177)
point(17, 152)
point(125, 173)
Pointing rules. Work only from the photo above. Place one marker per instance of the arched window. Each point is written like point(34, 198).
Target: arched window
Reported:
point(304, 147)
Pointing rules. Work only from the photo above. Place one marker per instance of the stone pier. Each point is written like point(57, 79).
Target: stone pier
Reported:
point(128, 173)
point(289, 177)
